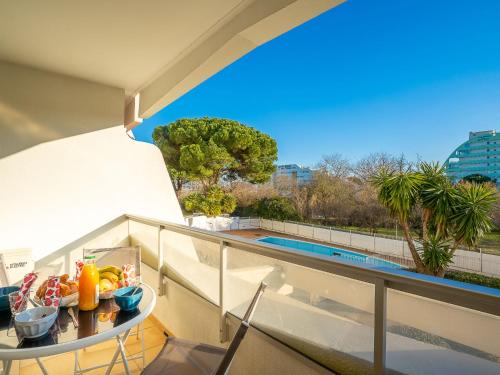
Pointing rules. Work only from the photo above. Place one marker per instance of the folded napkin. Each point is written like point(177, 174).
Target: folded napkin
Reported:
point(28, 281)
point(128, 275)
point(53, 293)
point(79, 268)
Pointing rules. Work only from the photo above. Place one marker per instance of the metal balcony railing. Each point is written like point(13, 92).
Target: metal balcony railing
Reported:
point(404, 315)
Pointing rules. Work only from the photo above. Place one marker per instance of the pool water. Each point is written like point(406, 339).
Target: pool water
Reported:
point(330, 251)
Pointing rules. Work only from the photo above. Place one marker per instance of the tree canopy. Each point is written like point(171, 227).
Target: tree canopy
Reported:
point(209, 150)
point(213, 202)
point(478, 179)
point(279, 208)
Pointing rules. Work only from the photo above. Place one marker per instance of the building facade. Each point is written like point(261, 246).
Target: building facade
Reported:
point(294, 173)
point(478, 155)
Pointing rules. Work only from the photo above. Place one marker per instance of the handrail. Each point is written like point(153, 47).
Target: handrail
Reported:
point(480, 299)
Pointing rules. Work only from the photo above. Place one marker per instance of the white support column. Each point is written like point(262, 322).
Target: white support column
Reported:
point(132, 118)
point(223, 334)
point(379, 345)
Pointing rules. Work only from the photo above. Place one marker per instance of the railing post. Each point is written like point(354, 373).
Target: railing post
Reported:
point(160, 263)
point(374, 243)
point(350, 237)
point(481, 260)
point(379, 344)
point(223, 334)
point(330, 234)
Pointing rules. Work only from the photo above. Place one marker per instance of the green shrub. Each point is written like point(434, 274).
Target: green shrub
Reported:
point(435, 254)
point(473, 278)
point(211, 203)
point(279, 208)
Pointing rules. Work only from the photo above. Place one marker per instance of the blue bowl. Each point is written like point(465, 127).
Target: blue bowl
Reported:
point(125, 300)
point(4, 296)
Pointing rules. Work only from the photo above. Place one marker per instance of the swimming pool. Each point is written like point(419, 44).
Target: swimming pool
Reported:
point(328, 250)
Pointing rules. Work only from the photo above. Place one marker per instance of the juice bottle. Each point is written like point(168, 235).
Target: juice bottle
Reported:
point(89, 285)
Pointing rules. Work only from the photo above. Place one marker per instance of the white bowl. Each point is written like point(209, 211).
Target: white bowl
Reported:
point(67, 301)
point(70, 300)
point(32, 322)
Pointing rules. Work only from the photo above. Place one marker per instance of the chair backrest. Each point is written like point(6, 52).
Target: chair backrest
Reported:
point(240, 334)
point(117, 256)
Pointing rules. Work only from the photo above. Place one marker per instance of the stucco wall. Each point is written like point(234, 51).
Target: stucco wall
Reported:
point(56, 192)
point(38, 106)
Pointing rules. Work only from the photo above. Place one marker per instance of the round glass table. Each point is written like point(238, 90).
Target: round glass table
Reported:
point(75, 330)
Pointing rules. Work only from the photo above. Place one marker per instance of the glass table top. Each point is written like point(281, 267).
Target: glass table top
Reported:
point(106, 317)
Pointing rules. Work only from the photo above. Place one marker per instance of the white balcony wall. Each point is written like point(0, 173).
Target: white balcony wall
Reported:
point(56, 192)
point(63, 260)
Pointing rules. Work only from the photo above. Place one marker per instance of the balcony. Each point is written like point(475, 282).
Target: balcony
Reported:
point(318, 316)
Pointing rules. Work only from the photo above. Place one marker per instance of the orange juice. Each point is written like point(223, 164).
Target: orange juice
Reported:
point(89, 285)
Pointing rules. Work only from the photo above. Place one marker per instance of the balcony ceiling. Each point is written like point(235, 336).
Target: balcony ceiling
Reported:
point(159, 49)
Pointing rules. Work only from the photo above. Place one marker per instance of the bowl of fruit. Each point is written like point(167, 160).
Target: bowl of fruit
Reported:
point(110, 278)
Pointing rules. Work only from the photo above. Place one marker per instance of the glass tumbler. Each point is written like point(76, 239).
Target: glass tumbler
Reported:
point(12, 302)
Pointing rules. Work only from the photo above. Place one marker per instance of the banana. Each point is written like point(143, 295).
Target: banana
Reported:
point(109, 275)
point(113, 269)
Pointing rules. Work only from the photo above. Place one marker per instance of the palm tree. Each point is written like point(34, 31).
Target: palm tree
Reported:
point(436, 254)
point(471, 216)
point(452, 215)
point(436, 197)
point(399, 193)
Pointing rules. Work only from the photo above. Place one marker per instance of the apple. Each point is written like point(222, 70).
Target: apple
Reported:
point(105, 285)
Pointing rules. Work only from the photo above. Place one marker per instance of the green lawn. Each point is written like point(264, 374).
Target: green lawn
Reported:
point(490, 244)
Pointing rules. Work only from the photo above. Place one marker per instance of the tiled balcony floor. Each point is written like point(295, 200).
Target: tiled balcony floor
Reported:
point(62, 364)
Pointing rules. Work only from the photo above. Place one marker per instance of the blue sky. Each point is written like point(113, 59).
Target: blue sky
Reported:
point(398, 76)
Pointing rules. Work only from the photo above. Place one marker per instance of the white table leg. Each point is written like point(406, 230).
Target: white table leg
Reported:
point(124, 355)
point(75, 367)
point(143, 351)
point(42, 367)
point(6, 367)
point(118, 351)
